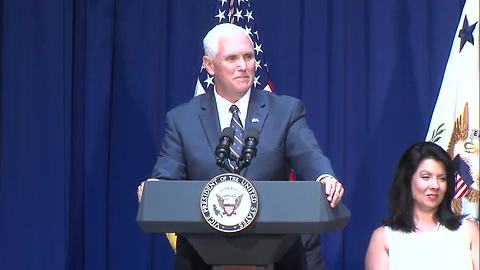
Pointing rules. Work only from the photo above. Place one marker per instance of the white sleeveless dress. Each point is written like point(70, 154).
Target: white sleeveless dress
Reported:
point(438, 250)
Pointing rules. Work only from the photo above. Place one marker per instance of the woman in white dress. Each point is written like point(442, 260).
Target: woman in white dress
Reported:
point(422, 232)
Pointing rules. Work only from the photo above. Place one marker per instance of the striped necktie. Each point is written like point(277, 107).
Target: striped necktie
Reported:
point(236, 124)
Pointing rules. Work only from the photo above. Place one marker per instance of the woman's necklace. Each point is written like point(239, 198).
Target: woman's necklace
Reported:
point(428, 228)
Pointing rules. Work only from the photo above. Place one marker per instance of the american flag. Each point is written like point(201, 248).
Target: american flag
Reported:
point(464, 178)
point(238, 12)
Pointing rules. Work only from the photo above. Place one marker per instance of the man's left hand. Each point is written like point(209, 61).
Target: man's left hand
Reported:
point(333, 189)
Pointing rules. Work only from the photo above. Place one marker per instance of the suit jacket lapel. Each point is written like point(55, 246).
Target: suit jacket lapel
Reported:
point(209, 118)
point(257, 111)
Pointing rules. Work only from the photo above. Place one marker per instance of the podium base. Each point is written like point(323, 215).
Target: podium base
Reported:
point(241, 249)
point(242, 267)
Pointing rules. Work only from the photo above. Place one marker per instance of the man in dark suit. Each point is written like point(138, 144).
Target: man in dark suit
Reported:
point(285, 140)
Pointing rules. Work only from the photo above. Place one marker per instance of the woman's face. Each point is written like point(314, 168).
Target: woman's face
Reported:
point(429, 184)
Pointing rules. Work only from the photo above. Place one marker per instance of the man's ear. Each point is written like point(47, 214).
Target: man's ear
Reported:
point(208, 64)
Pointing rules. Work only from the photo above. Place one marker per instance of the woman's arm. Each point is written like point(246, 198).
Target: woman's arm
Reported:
point(473, 232)
point(377, 253)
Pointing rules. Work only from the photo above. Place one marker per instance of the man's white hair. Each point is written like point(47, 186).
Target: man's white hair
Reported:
point(210, 41)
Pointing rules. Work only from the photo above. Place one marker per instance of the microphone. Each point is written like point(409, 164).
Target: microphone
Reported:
point(222, 151)
point(249, 150)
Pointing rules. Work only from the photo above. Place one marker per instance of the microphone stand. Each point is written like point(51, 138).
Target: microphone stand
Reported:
point(236, 168)
point(223, 164)
point(242, 165)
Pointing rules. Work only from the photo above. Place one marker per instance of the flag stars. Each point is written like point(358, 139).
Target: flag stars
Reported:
point(466, 33)
point(223, 2)
point(238, 15)
point(258, 64)
point(249, 15)
point(220, 15)
point(256, 81)
point(209, 80)
point(266, 66)
point(256, 34)
point(249, 30)
point(258, 48)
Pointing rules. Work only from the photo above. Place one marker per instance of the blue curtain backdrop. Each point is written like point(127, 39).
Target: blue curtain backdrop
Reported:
point(85, 85)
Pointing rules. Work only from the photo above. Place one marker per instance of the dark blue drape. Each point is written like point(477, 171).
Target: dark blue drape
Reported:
point(85, 85)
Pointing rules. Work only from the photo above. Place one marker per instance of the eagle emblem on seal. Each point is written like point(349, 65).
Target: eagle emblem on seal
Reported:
point(229, 206)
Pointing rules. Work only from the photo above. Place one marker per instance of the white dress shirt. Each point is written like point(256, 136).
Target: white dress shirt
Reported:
point(223, 108)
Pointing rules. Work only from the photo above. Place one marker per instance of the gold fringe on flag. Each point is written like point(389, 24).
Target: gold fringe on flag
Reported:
point(473, 195)
point(172, 238)
point(457, 206)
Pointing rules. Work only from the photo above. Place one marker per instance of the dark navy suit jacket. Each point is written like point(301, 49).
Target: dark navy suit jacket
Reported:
point(285, 142)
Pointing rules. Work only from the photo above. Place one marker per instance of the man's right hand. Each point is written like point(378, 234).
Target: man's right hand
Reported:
point(140, 188)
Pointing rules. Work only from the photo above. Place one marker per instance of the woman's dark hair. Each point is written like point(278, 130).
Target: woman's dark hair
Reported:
point(400, 197)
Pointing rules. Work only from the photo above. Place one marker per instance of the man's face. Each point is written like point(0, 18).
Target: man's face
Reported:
point(233, 67)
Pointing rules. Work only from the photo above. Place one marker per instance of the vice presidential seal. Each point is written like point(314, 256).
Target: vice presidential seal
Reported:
point(229, 202)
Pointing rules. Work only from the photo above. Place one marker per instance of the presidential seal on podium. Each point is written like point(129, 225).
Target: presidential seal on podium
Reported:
point(229, 202)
